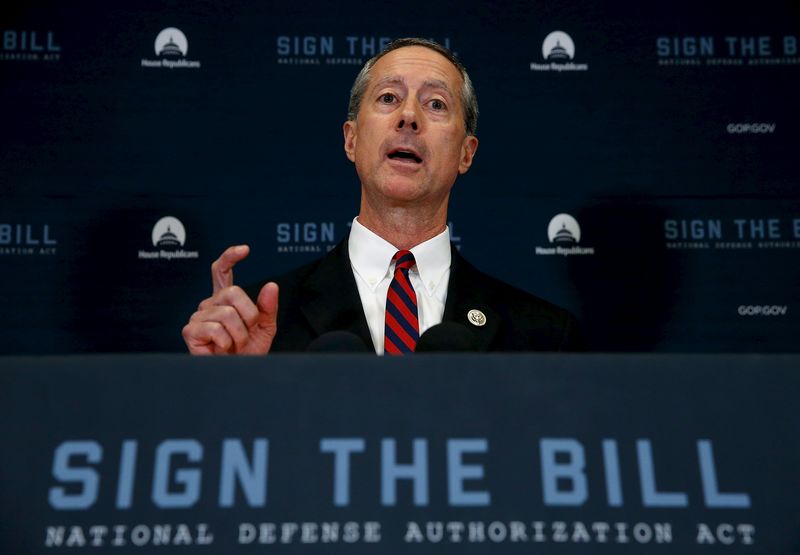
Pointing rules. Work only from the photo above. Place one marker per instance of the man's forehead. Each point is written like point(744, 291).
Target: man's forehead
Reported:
point(416, 61)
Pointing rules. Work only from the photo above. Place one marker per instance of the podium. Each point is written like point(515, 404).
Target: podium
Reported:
point(538, 453)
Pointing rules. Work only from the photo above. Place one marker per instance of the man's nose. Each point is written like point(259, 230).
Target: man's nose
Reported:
point(409, 117)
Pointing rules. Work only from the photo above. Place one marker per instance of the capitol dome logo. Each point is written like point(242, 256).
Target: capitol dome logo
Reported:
point(169, 232)
point(558, 46)
point(564, 234)
point(168, 238)
point(171, 48)
point(558, 51)
point(171, 43)
point(564, 230)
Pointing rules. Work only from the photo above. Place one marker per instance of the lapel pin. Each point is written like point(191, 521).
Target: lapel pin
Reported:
point(476, 317)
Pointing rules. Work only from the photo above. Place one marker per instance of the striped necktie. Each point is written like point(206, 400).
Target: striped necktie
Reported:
point(402, 325)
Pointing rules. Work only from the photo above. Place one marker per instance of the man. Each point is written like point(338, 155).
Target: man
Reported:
point(410, 132)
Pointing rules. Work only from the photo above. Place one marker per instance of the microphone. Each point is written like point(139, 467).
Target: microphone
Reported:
point(338, 341)
point(447, 337)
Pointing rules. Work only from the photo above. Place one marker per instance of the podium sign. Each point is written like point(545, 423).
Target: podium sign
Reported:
point(423, 454)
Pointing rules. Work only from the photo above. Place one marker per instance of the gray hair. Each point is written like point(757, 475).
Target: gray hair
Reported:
point(468, 97)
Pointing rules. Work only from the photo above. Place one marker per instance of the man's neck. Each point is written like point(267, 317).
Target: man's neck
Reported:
point(403, 227)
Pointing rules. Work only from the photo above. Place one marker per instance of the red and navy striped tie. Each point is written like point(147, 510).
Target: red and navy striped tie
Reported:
point(402, 324)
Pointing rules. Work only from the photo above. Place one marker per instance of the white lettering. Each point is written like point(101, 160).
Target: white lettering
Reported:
point(762, 310)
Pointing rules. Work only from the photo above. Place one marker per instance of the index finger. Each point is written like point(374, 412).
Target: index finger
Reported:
point(222, 267)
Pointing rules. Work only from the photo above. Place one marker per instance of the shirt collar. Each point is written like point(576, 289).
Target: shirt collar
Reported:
point(371, 256)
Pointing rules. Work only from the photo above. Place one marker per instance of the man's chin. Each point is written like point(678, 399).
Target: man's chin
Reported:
point(406, 195)
point(402, 190)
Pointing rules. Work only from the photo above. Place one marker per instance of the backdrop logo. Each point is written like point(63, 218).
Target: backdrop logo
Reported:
point(564, 234)
point(751, 128)
point(300, 237)
point(168, 236)
point(27, 240)
point(709, 50)
point(316, 50)
point(558, 46)
point(171, 43)
point(564, 230)
point(762, 310)
point(30, 46)
point(732, 233)
point(171, 48)
point(558, 50)
point(169, 232)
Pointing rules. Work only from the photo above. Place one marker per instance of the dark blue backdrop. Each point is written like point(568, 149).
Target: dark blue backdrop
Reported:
point(670, 137)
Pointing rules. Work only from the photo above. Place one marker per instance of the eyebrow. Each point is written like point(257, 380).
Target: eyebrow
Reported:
point(429, 84)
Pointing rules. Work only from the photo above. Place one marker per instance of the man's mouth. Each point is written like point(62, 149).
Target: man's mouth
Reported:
point(404, 154)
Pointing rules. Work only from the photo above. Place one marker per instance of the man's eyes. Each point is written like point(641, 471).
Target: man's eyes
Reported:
point(436, 104)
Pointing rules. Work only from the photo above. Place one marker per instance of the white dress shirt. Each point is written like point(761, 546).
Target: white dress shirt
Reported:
point(371, 260)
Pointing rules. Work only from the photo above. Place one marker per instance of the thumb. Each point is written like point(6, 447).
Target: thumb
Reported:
point(267, 303)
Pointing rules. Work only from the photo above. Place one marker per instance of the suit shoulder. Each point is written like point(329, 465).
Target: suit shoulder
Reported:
point(530, 322)
point(509, 295)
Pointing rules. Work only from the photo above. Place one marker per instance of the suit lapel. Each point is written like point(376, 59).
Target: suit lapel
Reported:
point(464, 294)
point(332, 300)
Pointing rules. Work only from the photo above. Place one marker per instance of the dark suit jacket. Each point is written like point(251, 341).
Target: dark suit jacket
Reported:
point(323, 296)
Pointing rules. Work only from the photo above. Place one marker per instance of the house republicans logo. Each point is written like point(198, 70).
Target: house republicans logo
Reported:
point(564, 230)
point(29, 46)
point(738, 50)
point(171, 48)
point(558, 50)
point(171, 43)
point(558, 46)
point(169, 232)
point(168, 237)
point(564, 234)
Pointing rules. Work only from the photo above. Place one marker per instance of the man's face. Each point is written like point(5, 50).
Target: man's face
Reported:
point(408, 141)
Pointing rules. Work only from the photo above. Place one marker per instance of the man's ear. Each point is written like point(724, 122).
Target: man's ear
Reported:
point(349, 129)
point(468, 149)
